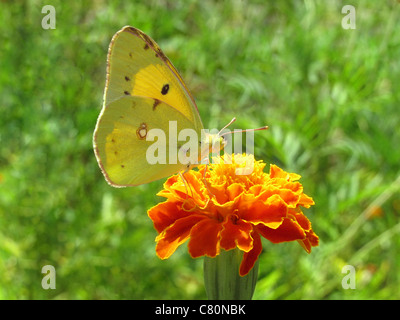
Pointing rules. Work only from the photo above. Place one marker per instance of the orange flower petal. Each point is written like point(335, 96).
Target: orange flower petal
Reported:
point(250, 258)
point(306, 201)
point(234, 190)
point(269, 213)
point(204, 238)
point(276, 172)
point(291, 197)
point(301, 219)
point(166, 213)
point(236, 233)
point(219, 192)
point(176, 234)
point(192, 187)
point(311, 240)
point(289, 230)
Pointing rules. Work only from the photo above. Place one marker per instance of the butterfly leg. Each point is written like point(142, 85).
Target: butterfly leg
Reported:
point(185, 182)
point(181, 174)
point(204, 178)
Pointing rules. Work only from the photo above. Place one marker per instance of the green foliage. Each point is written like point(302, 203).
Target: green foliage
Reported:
point(331, 99)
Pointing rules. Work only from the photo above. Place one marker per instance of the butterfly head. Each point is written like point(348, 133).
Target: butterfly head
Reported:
point(213, 143)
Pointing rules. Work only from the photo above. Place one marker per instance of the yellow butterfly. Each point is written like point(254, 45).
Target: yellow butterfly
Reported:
point(143, 91)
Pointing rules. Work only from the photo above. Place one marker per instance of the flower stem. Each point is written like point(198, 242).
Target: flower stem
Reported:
point(222, 279)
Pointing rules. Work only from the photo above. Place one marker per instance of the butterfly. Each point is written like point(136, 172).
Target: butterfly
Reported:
point(144, 91)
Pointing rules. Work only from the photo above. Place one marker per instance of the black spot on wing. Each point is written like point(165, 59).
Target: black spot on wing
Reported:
point(156, 103)
point(149, 43)
point(165, 89)
point(146, 38)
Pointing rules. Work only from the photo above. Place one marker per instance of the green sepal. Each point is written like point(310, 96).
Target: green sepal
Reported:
point(222, 279)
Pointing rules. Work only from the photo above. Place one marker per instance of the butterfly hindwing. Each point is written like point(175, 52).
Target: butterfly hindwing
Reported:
point(122, 145)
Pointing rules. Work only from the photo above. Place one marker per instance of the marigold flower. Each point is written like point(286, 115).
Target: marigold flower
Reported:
point(232, 211)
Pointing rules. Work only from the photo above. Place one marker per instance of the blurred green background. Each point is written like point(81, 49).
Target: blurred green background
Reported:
point(330, 96)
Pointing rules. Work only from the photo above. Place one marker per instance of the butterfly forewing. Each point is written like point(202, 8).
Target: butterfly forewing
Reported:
point(138, 67)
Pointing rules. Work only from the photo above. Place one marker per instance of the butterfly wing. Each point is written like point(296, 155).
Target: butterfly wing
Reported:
point(143, 91)
point(138, 67)
point(125, 155)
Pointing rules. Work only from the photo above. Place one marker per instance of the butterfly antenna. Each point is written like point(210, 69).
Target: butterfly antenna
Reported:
point(230, 122)
point(246, 130)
